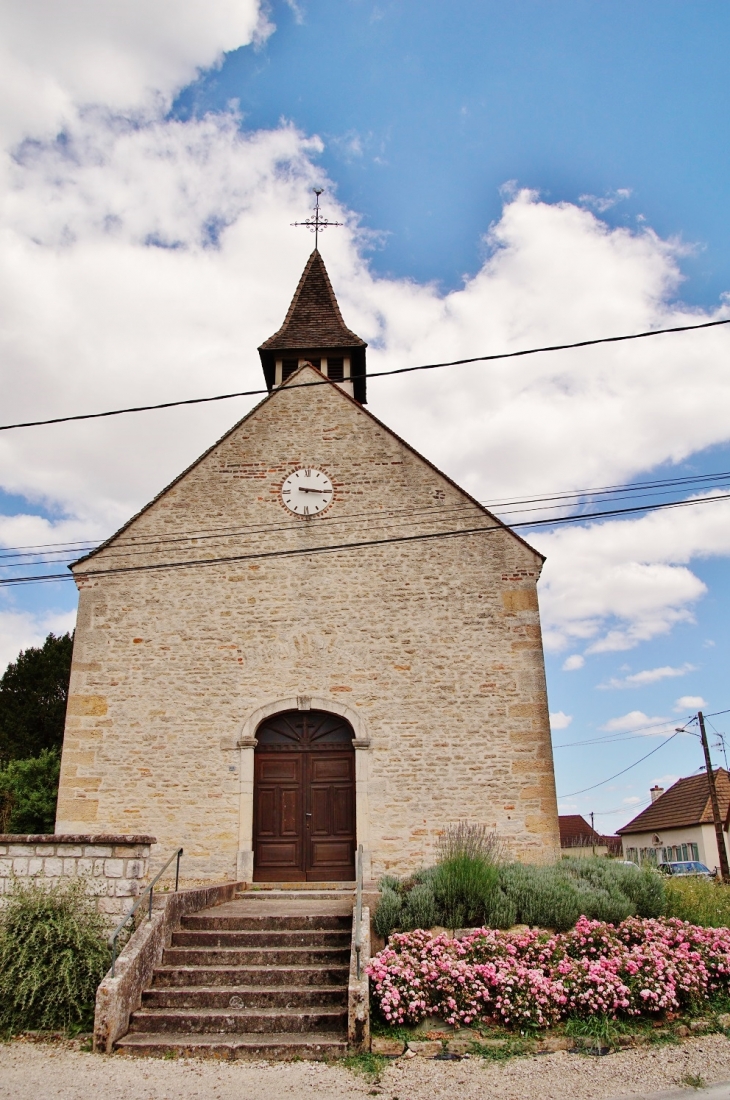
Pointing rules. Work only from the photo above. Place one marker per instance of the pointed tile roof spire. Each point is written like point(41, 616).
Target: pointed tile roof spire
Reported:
point(313, 327)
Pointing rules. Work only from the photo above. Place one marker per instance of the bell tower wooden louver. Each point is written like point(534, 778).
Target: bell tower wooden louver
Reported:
point(314, 332)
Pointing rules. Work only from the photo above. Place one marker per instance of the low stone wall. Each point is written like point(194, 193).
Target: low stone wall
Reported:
point(119, 996)
point(358, 989)
point(116, 867)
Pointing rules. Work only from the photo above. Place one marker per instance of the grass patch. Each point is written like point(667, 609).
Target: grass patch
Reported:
point(693, 1081)
point(698, 901)
point(502, 1051)
point(366, 1064)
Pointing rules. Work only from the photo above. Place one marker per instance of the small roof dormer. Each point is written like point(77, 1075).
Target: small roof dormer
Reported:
point(314, 332)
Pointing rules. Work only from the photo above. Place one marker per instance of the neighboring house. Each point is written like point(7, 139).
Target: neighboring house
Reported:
point(678, 824)
point(311, 640)
point(577, 838)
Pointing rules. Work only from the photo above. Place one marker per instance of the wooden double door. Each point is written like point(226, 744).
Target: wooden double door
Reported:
point(304, 798)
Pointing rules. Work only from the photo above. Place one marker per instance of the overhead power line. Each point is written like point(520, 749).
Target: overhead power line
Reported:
point(565, 499)
point(362, 544)
point(622, 772)
point(369, 374)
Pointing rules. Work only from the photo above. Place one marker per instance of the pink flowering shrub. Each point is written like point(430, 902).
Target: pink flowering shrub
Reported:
point(534, 978)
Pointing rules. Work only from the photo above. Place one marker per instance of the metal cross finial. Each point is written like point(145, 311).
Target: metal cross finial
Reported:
point(317, 223)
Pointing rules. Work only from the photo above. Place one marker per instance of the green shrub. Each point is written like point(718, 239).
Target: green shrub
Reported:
point(643, 888)
point(470, 886)
point(698, 901)
point(388, 914)
point(419, 908)
point(28, 793)
point(390, 882)
point(53, 954)
point(502, 911)
point(541, 896)
point(463, 886)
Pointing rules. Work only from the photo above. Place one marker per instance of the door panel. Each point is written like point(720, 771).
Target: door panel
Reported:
point(291, 812)
point(342, 807)
point(304, 798)
point(331, 840)
point(278, 812)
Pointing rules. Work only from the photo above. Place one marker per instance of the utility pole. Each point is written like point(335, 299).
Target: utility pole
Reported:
point(593, 831)
point(719, 831)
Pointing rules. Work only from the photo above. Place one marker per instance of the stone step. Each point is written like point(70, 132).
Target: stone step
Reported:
point(239, 1021)
point(256, 956)
point(273, 1047)
point(294, 887)
point(242, 922)
point(244, 996)
point(261, 938)
point(289, 895)
point(170, 977)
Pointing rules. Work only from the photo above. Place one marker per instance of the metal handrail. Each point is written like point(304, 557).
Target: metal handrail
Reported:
point(358, 909)
point(147, 890)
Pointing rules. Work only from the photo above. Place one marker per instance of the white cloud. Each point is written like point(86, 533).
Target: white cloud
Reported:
point(690, 702)
point(648, 676)
point(19, 630)
point(621, 582)
point(560, 721)
point(575, 661)
point(637, 721)
point(602, 203)
point(631, 800)
point(56, 56)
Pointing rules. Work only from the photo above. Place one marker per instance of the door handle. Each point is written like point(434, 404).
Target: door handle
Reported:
point(307, 815)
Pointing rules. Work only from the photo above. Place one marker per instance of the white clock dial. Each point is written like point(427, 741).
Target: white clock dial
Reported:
point(307, 492)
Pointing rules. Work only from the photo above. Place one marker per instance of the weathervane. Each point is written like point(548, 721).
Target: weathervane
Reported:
point(317, 223)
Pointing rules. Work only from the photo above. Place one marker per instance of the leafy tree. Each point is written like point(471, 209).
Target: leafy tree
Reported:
point(29, 792)
point(33, 695)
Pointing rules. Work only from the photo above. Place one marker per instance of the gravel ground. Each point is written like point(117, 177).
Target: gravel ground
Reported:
point(60, 1071)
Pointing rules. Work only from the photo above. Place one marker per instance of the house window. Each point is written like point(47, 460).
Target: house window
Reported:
point(288, 366)
point(695, 852)
point(632, 854)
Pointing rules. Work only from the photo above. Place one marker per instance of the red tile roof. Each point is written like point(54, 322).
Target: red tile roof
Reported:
point(575, 831)
point(686, 803)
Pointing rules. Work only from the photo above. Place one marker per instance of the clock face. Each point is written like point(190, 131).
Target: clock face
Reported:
point(307, 492)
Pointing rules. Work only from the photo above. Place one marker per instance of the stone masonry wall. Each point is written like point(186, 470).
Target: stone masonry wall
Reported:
point(115, 867)
point(433, 644)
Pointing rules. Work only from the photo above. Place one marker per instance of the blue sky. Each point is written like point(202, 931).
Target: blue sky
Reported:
point(427, 109)
point(510, 175)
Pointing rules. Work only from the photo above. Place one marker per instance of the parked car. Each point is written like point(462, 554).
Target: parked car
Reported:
point(686, 867)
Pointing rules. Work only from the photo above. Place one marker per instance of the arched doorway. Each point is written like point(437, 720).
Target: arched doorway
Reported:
point(304, 798)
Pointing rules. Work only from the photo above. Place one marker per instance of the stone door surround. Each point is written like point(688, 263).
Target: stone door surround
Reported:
point(247, 743)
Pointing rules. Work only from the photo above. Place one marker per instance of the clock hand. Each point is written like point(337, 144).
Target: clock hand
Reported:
point(304, 489)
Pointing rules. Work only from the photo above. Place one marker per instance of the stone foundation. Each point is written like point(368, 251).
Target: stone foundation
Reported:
point(116, 867)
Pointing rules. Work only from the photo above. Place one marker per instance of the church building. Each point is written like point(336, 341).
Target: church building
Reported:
point(311, 639)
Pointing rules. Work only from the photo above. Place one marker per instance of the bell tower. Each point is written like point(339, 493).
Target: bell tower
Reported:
point(314, 332)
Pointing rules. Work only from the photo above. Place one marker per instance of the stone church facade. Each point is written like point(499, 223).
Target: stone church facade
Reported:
point(312, 639)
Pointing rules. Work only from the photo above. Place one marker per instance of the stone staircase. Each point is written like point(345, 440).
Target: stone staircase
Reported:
point(263, 976)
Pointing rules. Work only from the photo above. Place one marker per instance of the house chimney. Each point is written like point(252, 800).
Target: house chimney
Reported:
point(656, 792)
